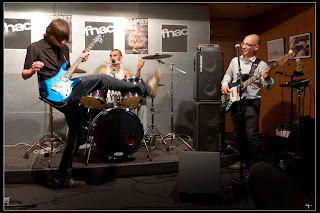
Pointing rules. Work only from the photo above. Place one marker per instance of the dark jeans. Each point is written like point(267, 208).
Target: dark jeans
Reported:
point(72, 112)
point(246, 130)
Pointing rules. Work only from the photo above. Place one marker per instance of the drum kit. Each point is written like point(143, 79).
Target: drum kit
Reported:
point(116, 130)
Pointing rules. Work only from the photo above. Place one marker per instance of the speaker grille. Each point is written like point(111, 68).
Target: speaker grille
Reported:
point(208, 74)
point(208, 126)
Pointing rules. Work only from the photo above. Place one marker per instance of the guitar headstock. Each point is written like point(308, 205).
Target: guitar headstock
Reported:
point(299, 67)
point(98, 39)
point(284, 59)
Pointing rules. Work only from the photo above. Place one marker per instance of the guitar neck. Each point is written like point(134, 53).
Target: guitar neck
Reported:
point(73, 68)
point(257, 76)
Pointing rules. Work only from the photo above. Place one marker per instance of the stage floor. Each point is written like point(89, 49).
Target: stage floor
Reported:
point(19, 169)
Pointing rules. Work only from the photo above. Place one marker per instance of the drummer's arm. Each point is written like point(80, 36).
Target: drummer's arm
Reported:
point(139, 67)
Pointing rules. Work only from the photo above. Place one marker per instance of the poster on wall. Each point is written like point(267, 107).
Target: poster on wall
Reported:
point(68, 19)
point(93, 29)
point(17, 33)
point(174, 38)
point(136, 36)
point(301, 44)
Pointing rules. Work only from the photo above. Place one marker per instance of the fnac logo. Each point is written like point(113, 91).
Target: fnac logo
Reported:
point(101, 30)
point(166, 33)
point(16, 27)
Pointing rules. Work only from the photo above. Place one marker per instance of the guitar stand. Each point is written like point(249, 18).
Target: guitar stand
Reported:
point(43, 144)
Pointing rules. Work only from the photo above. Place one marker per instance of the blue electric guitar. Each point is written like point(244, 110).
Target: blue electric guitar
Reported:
point(234, 94)
point(56, 90)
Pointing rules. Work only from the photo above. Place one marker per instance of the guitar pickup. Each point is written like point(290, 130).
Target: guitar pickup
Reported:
point(56, 89)
point(58, 85)
point(63, 78)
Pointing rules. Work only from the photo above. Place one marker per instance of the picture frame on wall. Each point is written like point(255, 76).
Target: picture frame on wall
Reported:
point(275, 49)
point(301, 44)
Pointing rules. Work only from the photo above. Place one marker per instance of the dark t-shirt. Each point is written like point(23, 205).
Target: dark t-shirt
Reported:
point(52, 57)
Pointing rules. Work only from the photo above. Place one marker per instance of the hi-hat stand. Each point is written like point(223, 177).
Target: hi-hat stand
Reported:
point(152, 137)
point(45, 144)
point(172, 135)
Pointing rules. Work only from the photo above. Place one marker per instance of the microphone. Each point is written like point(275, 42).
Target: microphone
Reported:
point(237, 46)
point(281, 73)
point(113, 61)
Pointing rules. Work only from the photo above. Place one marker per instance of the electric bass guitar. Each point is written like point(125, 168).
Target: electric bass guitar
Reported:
point(56, 90)
point(234, 94)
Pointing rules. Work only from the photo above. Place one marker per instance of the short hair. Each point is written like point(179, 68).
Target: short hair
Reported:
point(117, 50)
point(59, 29)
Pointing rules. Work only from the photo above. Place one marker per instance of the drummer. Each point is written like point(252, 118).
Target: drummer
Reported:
point(121, 73)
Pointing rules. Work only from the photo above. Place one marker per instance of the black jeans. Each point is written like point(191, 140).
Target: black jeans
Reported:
point(246, 130)
point(72, 112)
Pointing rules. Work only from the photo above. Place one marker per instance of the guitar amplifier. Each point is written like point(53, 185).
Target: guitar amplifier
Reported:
point(208, 48)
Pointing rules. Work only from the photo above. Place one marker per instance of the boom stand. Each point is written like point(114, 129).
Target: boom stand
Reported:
point(172, 134)
point(42, 143)
point(153, 127)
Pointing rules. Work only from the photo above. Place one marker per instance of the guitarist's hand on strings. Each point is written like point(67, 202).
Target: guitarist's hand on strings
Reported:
point(265, 74)
point(36, 66)
point(84, 55)
point(225, 90)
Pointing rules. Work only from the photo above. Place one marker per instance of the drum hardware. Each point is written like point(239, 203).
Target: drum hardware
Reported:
point(95, 100)
point(172, 134)
point(115, 62)
point(157, 56)
point(152, 127)
point(43, 144)
point(132, 100)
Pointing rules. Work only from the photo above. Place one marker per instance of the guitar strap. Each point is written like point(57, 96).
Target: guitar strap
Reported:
point(254, 66)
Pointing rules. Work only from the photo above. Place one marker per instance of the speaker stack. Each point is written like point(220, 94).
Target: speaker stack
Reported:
point(208, 116)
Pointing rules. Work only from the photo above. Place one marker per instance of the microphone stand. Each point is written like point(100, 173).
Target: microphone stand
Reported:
point(241, 116)
point(113, 72)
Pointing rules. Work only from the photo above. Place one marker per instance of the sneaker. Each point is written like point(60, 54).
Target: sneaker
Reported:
point(71, 183)
point(153, 83)
point(237, 165)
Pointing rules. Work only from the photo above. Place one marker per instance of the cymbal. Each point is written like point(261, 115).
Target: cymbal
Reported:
point(116, 62)
point(80, 71)
point(156, 56)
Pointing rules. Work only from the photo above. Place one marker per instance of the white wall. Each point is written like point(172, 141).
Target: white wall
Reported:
point(26, 117)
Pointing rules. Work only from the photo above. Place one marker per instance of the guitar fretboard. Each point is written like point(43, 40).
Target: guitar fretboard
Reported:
point(257, 76)
point(73, 68)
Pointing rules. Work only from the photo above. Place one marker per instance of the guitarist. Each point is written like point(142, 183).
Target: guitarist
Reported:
point(246, 124)
point(45, 58)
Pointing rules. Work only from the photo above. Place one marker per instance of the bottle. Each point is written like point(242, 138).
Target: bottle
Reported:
point(281, 164)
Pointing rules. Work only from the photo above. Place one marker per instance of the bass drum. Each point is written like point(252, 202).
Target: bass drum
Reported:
point(118, 133)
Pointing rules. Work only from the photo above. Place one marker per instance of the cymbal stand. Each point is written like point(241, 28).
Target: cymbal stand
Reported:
point(90, 138)
point(172, 135)
point(153, 127)
point(41, 143)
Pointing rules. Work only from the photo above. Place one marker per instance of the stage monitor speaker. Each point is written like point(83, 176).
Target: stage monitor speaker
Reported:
point(208, 129)
point(208, 74)
point(199, 172)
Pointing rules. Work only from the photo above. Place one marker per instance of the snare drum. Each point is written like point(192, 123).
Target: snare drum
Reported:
point(94, 100)
point(132, 100)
